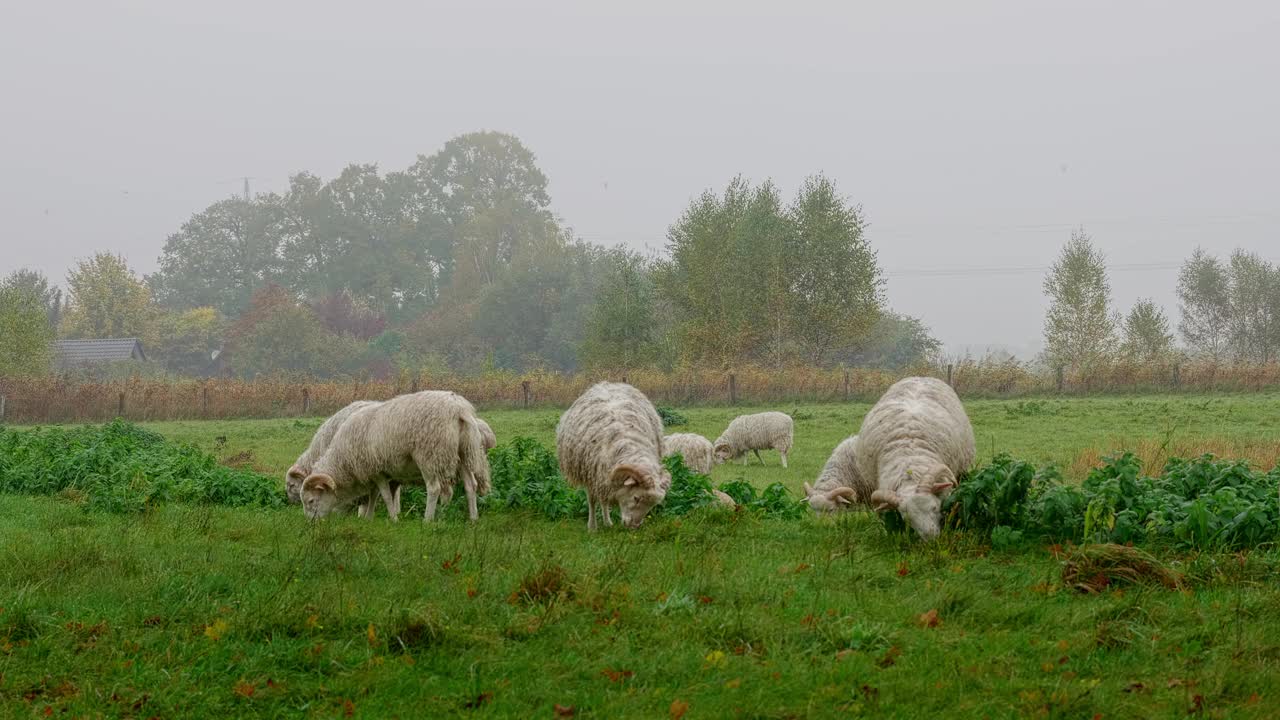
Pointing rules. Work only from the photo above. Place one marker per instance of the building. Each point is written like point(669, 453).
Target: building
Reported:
point(73, 354)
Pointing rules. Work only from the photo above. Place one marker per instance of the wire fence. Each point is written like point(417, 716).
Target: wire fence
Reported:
point(63, 399)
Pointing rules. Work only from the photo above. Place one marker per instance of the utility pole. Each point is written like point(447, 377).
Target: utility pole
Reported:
point(246, 189)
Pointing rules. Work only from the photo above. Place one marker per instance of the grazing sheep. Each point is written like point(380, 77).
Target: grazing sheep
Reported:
point(610, 443)
point(761, 431)
point(490, 441)
point(319, 443)
point(696, 450)
point(914, 443)
point(839, 485)
point(433, 430)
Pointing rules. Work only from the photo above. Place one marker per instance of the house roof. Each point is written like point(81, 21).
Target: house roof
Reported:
point(76, 352)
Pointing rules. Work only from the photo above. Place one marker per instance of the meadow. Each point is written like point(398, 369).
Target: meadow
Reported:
point(198, 610)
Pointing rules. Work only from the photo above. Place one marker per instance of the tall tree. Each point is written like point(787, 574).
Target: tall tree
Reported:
point(107, 300)
point(277, 334)
point(622, 320)
point(1204, 297)
point(1146, 332)
point(1079, 328)
point(187, 340)
point(894, 342)
point(492, 198)
point(1255, 308)
point(27, 345)
point(834, 279)
point(218, 257)
point(35, 281)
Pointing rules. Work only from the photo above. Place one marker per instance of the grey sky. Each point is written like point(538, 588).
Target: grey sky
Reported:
point(974, 135)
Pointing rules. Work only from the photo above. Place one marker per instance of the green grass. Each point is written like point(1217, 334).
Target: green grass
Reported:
point(199, 611)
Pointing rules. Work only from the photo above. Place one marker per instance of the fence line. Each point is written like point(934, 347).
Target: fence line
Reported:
point(62, 399)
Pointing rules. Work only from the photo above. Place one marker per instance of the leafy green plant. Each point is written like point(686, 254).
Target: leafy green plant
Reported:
point(120, 467)
point(671, 417)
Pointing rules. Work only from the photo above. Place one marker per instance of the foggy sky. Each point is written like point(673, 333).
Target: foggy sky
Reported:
point(975, 135)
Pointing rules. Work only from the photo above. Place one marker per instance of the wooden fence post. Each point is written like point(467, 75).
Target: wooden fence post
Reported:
point(414, 387)
point(2, 402)
point(120, 405)
point(733, 389)
point(204, 401)
point(1177, 376)
point(846, 386)
point(524, 390)
point(306, 400)
point(624, 378)
point(1059, 379)
point(950, 367)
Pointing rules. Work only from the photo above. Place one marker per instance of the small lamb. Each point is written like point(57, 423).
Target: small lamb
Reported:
point(698, 454)
point(913, 445)
point(761, 431)
point(435, 431)
point(610, 442)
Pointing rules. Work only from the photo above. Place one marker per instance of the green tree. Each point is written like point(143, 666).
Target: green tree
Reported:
point(1146, 334)
point(188, 339)
point(1079, 328)
point(492, 200)
point(35, 281)
point(893, 343)
point(27, 346)
point(622, 319)
point(1204, 295)
point(833, 275)
point(1255, 308)
point(107, 300)
point(218, 257)
point(278, 334)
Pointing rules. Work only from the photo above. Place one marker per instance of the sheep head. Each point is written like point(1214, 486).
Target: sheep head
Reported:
point(723, 452)
point(319, 495)
point(293, 484)
point(833, 500)
point(636, 489)
point(920, 504)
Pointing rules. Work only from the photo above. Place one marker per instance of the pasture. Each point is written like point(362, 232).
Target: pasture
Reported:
point(195, 611)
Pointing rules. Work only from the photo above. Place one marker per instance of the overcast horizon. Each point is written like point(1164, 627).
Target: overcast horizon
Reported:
point(974, 137)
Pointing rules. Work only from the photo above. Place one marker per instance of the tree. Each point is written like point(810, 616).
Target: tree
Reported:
point(622, 320)
point(1146, 332)
point(218, 257)
point(27, 346)
point(1255, 308)
point(833, 276)
point(342, 314)
point(188, 339)
point(277, 334)
point(37, 283)
point(1079, 328)
point(492, 199)
point(1204, 297)
point(107, 300)
point(893, 343)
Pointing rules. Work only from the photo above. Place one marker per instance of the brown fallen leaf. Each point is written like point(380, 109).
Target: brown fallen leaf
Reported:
point(617, 675)
point(678, 709)
point(479, 700)
point(930, 619)
point(244, 689)
point(565, 711)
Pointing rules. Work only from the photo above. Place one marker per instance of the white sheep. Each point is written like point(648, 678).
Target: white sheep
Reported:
point(319, 443)
point(435, 431)
point(490, 441)
point(761, 431)
point(610, 443)
point(839, 485)
point(724, 498)
point(696, 450)
point(914, 443)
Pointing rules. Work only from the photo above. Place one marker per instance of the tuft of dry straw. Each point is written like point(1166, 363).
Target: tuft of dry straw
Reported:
point(1093, 568)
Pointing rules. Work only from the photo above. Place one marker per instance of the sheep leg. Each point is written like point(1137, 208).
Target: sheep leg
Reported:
point(591, 514)
point(469, 484)
point(784, 457)
point(606, 512)
point(757, 452)
point(388, 498)
point(432, 497)
point(365, 508)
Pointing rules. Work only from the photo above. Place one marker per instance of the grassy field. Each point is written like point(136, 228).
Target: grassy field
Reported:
point(199, 611)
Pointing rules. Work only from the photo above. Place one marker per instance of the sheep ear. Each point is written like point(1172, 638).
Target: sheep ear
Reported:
point(296, 473)
point(939, 488)
point(628, 475)
point(943, 481)
point(883, 500)
point(319, 483)
point(808, 490)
